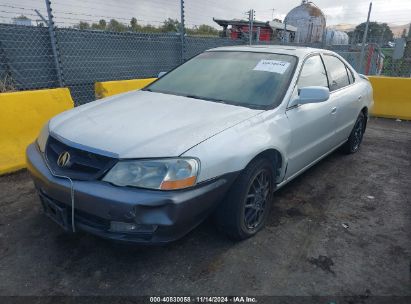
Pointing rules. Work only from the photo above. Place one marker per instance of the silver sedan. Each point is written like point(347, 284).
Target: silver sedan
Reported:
point(216, 135)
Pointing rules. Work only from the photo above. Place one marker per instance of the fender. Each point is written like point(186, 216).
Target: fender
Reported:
point(233, 149)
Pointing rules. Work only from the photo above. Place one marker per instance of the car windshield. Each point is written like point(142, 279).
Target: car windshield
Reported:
point(255, 80)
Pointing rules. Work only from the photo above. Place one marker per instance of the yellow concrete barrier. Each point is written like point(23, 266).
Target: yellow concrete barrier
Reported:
point(109, 88)
point(22, 115)
point(392, 97)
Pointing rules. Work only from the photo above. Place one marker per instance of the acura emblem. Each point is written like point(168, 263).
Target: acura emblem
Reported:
point(64, 159)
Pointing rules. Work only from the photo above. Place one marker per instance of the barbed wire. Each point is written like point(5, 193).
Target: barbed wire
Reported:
point(197, 12)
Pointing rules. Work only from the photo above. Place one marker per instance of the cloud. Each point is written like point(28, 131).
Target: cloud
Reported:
point(201, 12)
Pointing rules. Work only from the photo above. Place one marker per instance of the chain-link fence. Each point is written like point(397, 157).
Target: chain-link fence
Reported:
point(90, 56)
point(52, 43)
point(26, 58)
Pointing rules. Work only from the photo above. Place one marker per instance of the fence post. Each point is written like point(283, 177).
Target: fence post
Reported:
point(250, 27)
point(182, 32)
point(54, 47)
point(364, 40)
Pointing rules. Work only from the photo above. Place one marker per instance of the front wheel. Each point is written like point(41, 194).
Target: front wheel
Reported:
point(247, 205)
point(354, 141)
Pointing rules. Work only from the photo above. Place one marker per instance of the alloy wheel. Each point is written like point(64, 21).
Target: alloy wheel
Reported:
point(257, 199)
point(358, 133)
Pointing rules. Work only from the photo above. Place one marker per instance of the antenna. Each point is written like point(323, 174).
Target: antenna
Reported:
point(272, 14)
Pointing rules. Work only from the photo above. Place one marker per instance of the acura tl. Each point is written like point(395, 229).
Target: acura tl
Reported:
point(217, 135)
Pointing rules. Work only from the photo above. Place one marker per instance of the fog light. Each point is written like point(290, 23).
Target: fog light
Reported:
point(131, 227)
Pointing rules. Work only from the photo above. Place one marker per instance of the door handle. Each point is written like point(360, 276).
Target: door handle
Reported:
point(334, 110)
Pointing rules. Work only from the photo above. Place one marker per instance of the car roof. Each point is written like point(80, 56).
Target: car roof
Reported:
point(278, 49)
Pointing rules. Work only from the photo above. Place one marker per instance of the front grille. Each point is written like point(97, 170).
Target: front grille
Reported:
point(83, 165)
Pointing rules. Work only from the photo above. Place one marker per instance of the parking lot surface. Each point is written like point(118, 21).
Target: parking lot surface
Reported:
point(342, 228)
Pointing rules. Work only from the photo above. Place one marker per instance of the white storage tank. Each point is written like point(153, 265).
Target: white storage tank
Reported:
point(309, 20)
point(334, 37)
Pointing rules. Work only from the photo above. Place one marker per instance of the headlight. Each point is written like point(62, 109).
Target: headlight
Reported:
point(43, 136)
point(164, 174)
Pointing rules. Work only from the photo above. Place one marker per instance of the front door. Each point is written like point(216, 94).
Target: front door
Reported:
point(313, 125)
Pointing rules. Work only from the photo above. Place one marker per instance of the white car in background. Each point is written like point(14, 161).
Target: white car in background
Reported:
point(220, 133)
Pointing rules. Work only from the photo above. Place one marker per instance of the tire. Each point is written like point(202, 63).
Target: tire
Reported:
point(247, 205)
point(354, 141)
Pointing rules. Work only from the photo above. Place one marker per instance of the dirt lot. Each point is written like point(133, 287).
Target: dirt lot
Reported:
point(342, 228)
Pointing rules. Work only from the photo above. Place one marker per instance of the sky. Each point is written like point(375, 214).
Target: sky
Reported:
point(70, 12)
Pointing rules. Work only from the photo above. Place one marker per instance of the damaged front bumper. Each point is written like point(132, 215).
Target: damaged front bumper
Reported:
point(103, 209)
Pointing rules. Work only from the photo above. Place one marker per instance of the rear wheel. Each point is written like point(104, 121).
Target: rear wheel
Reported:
point(247, 205)
point(354, 141)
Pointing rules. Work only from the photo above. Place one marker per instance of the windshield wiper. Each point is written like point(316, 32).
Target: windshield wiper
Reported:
point(245, 105)
point(205, 98)
point(253, 106)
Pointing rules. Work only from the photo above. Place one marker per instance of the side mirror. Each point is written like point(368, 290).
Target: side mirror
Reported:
point(161, 74)
point(312, 94)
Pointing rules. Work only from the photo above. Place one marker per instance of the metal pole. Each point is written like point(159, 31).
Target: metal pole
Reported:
point(250, 29)
point(182, 31)
point(364, 39)
point(382, 37)
point(285, 31)
point(54, 44)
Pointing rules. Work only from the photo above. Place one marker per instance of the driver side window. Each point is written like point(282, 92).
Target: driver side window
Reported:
point(313, 73)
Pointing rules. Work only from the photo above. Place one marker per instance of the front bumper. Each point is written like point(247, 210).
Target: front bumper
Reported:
point(97, 203)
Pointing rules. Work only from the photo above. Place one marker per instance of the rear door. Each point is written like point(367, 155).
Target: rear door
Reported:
point(312, 125)
point(345, 91)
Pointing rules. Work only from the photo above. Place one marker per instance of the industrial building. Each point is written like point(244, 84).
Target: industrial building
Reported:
point(262, 31)
point(304, 24)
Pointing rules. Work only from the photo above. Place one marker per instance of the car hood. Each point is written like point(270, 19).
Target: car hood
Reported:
point(143, 124)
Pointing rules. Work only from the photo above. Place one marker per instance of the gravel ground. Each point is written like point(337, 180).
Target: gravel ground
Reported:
point(342, 228)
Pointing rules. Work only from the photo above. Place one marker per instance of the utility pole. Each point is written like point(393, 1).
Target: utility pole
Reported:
point(250, 26)
point(182, 31)
point(364, 39)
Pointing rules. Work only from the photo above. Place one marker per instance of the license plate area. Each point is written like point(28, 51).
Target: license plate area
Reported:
point(56, 213)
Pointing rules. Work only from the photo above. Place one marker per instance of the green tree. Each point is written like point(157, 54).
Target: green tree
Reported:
point(116, 26)
point(170, 25)
point(203, 30)
point(135, 27)
point(149, 29)
point(101, 25)
point(377, 32)
point(83, 25)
